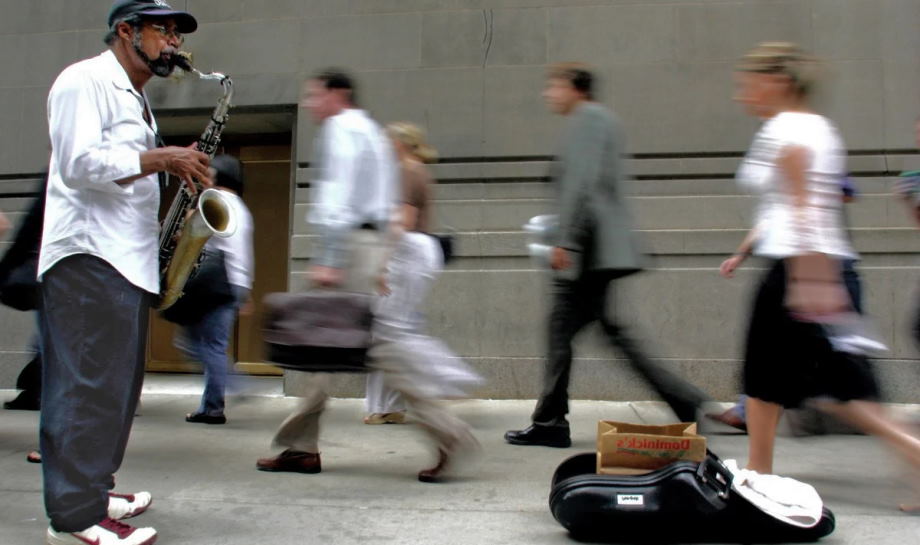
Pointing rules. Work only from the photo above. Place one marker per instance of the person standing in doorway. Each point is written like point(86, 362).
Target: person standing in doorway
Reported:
point(207, 338)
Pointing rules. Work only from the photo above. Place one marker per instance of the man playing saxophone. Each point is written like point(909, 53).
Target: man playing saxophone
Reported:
point(98, 267)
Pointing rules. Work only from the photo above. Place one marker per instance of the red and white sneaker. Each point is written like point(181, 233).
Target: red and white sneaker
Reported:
point(125, 506)
point(107, 532)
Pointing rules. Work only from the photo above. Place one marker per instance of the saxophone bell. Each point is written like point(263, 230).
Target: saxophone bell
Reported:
point(217, 213)
point(213, 215)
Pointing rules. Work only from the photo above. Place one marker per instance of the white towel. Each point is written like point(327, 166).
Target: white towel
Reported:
point(785, 499)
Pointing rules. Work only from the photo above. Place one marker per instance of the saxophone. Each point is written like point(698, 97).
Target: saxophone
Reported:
point(193, 218)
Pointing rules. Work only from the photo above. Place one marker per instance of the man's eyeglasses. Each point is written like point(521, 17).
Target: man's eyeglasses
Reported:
point(168, 33)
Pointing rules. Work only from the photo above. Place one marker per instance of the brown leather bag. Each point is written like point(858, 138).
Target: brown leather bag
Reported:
point(318, 331)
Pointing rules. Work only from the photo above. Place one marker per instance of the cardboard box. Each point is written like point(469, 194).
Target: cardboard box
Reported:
point(630, 449)
point(618, 470)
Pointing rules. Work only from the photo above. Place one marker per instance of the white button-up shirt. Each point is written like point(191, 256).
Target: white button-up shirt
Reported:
point(98, 131)
point(237, 248)
point(356, 180)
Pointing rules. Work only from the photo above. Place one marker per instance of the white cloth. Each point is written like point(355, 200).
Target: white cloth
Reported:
point(97, 128)
point(437, 373)
point(380, 399)
point(785, 499)
point(237, 247)
point(356, 181)
point(779, 233)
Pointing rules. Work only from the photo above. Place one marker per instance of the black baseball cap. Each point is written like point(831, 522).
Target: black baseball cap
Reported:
point(123, 9)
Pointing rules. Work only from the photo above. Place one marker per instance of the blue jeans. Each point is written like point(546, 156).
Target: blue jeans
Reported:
point(94, 337)
point(206, 342)
point(740, 407)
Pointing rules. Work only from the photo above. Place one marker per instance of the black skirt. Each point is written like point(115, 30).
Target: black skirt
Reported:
point(787, 361)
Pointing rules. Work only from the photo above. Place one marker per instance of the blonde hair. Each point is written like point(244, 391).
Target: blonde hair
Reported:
point(413, 138)
point(784, 58)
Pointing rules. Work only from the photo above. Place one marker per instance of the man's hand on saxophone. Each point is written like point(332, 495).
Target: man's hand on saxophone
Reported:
point(188, 164)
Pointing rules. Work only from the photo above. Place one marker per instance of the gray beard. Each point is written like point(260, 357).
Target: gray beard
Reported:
point(159, 66)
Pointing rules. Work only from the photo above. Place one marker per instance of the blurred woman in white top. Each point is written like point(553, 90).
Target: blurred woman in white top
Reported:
point(410, 366)
point(795, 165)
point(415, 262)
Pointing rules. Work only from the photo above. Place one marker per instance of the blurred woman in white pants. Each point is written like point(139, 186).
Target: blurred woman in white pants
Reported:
point(411, 369)
point(415, 262)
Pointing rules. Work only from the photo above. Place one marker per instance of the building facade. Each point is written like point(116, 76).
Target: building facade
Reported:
point(470, 72)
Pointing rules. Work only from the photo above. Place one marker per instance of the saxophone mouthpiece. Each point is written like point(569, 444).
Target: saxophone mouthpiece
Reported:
point(182, 59)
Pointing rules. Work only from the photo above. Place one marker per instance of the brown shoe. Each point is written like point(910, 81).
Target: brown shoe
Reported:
point(436, 473)
point(291, 460)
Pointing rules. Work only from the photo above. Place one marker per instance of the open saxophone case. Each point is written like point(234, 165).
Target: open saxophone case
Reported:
point(318, 331)
point(648, 484)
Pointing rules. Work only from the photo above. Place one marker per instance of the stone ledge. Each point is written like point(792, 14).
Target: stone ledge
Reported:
point(657, 242)
point(654, 167)
point(614, 379)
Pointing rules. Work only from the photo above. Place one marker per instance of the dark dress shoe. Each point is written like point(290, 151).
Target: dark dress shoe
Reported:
point(544, 436)
point(295, 461)
point(25, 401)
point(436, 473)
point(201, 418)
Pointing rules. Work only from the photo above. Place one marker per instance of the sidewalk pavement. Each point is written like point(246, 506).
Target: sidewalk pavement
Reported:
point(207, 491)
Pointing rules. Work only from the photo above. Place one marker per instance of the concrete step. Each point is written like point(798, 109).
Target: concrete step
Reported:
point(657, 242)
point(658, 166)
point(10, 205)
point(496, 190)
point(638, 187)
point(19, 186)
point(650, 212)
point(691, 317)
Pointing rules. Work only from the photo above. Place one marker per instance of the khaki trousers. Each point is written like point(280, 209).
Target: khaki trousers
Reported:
point(300, 431)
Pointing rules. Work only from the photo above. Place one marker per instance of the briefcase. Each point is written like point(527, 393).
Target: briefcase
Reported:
point(679, 503)
point(318, 331)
